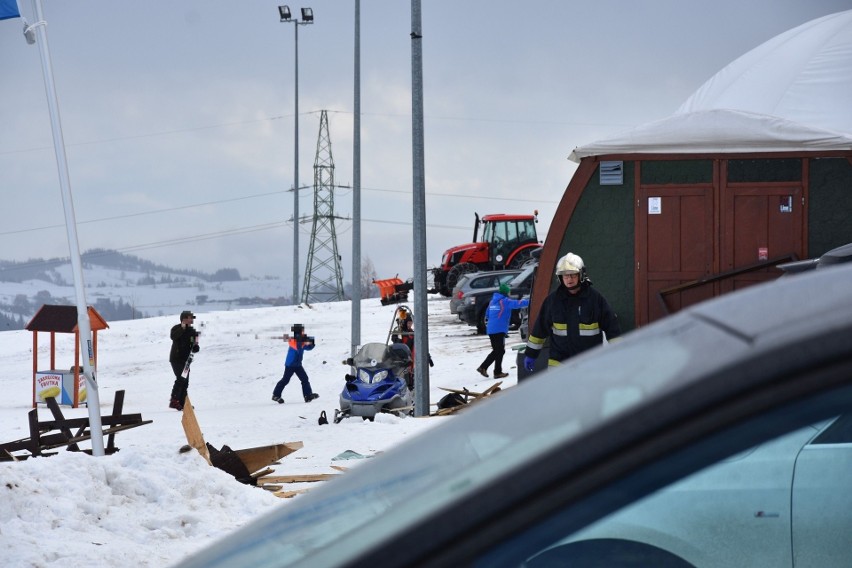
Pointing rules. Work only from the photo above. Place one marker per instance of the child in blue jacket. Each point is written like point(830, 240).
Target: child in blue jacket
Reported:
point(298, 343)
point(498, 314)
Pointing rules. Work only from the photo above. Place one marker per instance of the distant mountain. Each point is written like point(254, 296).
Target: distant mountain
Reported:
point(40, 269)
point(122, 286)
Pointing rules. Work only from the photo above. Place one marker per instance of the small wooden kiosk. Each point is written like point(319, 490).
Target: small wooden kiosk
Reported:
point(62, 319)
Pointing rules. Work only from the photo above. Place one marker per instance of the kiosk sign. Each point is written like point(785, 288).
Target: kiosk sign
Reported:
point(48, 385)
point(60, 385)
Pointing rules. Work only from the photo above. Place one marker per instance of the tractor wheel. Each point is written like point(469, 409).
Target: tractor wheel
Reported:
point(457, 272)
point(521, 258)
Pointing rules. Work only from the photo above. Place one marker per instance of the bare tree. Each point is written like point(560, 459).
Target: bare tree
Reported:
point(368, 274)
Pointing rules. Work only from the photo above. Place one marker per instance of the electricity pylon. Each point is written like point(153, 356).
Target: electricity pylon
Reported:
point(323, 275)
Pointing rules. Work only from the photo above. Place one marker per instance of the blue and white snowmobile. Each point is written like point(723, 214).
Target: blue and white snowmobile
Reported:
point(380, 382)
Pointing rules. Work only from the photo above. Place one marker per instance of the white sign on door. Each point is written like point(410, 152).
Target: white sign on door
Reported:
point(655, 205)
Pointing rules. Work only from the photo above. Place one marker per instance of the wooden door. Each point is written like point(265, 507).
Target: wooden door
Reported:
point(760, 222)
point(675, 243)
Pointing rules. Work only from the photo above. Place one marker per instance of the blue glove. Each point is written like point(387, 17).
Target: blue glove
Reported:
point(529, 363)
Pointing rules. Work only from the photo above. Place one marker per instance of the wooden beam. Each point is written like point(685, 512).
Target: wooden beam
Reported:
point(303, 478)
point(262, 456)
point(193, 431)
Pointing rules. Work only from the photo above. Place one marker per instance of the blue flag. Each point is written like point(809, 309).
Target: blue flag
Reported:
point(9, 9)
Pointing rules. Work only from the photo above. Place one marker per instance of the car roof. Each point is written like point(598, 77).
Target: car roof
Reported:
point(705, 366)
point(468, 277)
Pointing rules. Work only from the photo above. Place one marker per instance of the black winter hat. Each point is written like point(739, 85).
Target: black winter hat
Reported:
point(186, 314)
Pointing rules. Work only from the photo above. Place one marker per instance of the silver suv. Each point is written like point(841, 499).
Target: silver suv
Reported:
point(476, 281)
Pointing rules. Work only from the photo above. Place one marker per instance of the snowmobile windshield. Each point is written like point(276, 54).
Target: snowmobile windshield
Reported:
point(397, 357)
point(370, 356)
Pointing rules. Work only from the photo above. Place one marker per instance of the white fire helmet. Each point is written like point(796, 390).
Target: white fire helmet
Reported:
point(569, 264)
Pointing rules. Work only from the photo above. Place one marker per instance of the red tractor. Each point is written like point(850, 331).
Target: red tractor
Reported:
point(507, 242)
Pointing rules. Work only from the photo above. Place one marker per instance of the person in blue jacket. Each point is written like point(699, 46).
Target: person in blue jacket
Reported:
point(298, 344)
point(498, 313)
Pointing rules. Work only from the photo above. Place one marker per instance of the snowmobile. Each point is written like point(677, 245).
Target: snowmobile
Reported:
point(380, 382)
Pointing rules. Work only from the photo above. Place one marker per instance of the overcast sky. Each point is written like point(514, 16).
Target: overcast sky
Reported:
point(178, 117)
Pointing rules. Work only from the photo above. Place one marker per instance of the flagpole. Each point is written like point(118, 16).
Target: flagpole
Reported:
point(83, 325)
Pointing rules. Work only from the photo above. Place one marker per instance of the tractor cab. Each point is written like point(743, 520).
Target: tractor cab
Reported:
point(505, 234)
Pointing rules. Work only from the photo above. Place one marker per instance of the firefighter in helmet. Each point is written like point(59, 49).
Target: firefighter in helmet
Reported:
point(574, 317)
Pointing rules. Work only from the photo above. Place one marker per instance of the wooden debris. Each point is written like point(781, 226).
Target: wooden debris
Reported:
point(256, 458)
point(469, 397)
point(289, 494)
point(249, 466)
point(303, 478)
point(193, 431)
point(69, 431)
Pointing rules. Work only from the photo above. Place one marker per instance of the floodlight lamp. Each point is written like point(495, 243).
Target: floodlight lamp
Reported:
point(307, 15)
point(284, 12)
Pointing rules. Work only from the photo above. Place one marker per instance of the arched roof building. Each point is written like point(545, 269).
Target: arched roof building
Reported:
point(754, 168)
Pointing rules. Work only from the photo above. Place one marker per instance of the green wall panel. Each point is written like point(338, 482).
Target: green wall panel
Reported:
point(662, 172)
point(601, 232)
point(830, 208)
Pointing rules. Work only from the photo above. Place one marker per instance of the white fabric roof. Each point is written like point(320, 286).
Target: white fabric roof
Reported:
point(791, 93)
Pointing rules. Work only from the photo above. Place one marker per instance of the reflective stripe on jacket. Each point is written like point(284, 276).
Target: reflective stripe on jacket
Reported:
point(573, 322)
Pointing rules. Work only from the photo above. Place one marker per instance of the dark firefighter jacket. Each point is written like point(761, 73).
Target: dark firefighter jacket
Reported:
point(573, 322)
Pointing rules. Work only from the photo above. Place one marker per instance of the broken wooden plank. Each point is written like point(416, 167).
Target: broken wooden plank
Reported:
point(62, 424)
point(193, 432)
point(469, 397)
point(262, 456)
point(490, 390)
point(261, 473)
point(303, 478)
point(117, 407)
point(289, 494)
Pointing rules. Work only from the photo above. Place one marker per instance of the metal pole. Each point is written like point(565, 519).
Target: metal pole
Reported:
point(421, 310)
point(356, 190)
point(83, 326)
point(296, 179)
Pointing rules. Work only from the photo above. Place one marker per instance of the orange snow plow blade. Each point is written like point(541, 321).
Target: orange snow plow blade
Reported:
point(393, 290)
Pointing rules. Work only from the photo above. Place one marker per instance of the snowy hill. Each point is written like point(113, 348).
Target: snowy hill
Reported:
point(149, 505)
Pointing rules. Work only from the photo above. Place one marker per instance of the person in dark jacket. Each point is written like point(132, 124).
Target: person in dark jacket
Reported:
point(498, 314)
point(298, 343)
point(404, 333)
point(184, 341)
point(574, 316)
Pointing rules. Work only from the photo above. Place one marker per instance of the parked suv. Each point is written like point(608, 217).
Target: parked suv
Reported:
point(475, 304)
point(476, 281)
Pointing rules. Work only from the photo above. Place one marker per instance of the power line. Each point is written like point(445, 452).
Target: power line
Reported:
point(215, 235)
point(257, 195)
point(151, 212)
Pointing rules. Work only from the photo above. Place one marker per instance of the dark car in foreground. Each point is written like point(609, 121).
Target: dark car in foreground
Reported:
point(616, 458)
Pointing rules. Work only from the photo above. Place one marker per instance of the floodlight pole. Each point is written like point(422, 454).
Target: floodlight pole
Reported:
point(307, 18)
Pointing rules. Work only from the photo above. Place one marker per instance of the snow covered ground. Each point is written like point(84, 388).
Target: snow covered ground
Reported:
point(148, 504)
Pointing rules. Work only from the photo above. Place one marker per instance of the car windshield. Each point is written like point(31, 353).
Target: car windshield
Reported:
point(472, 449)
